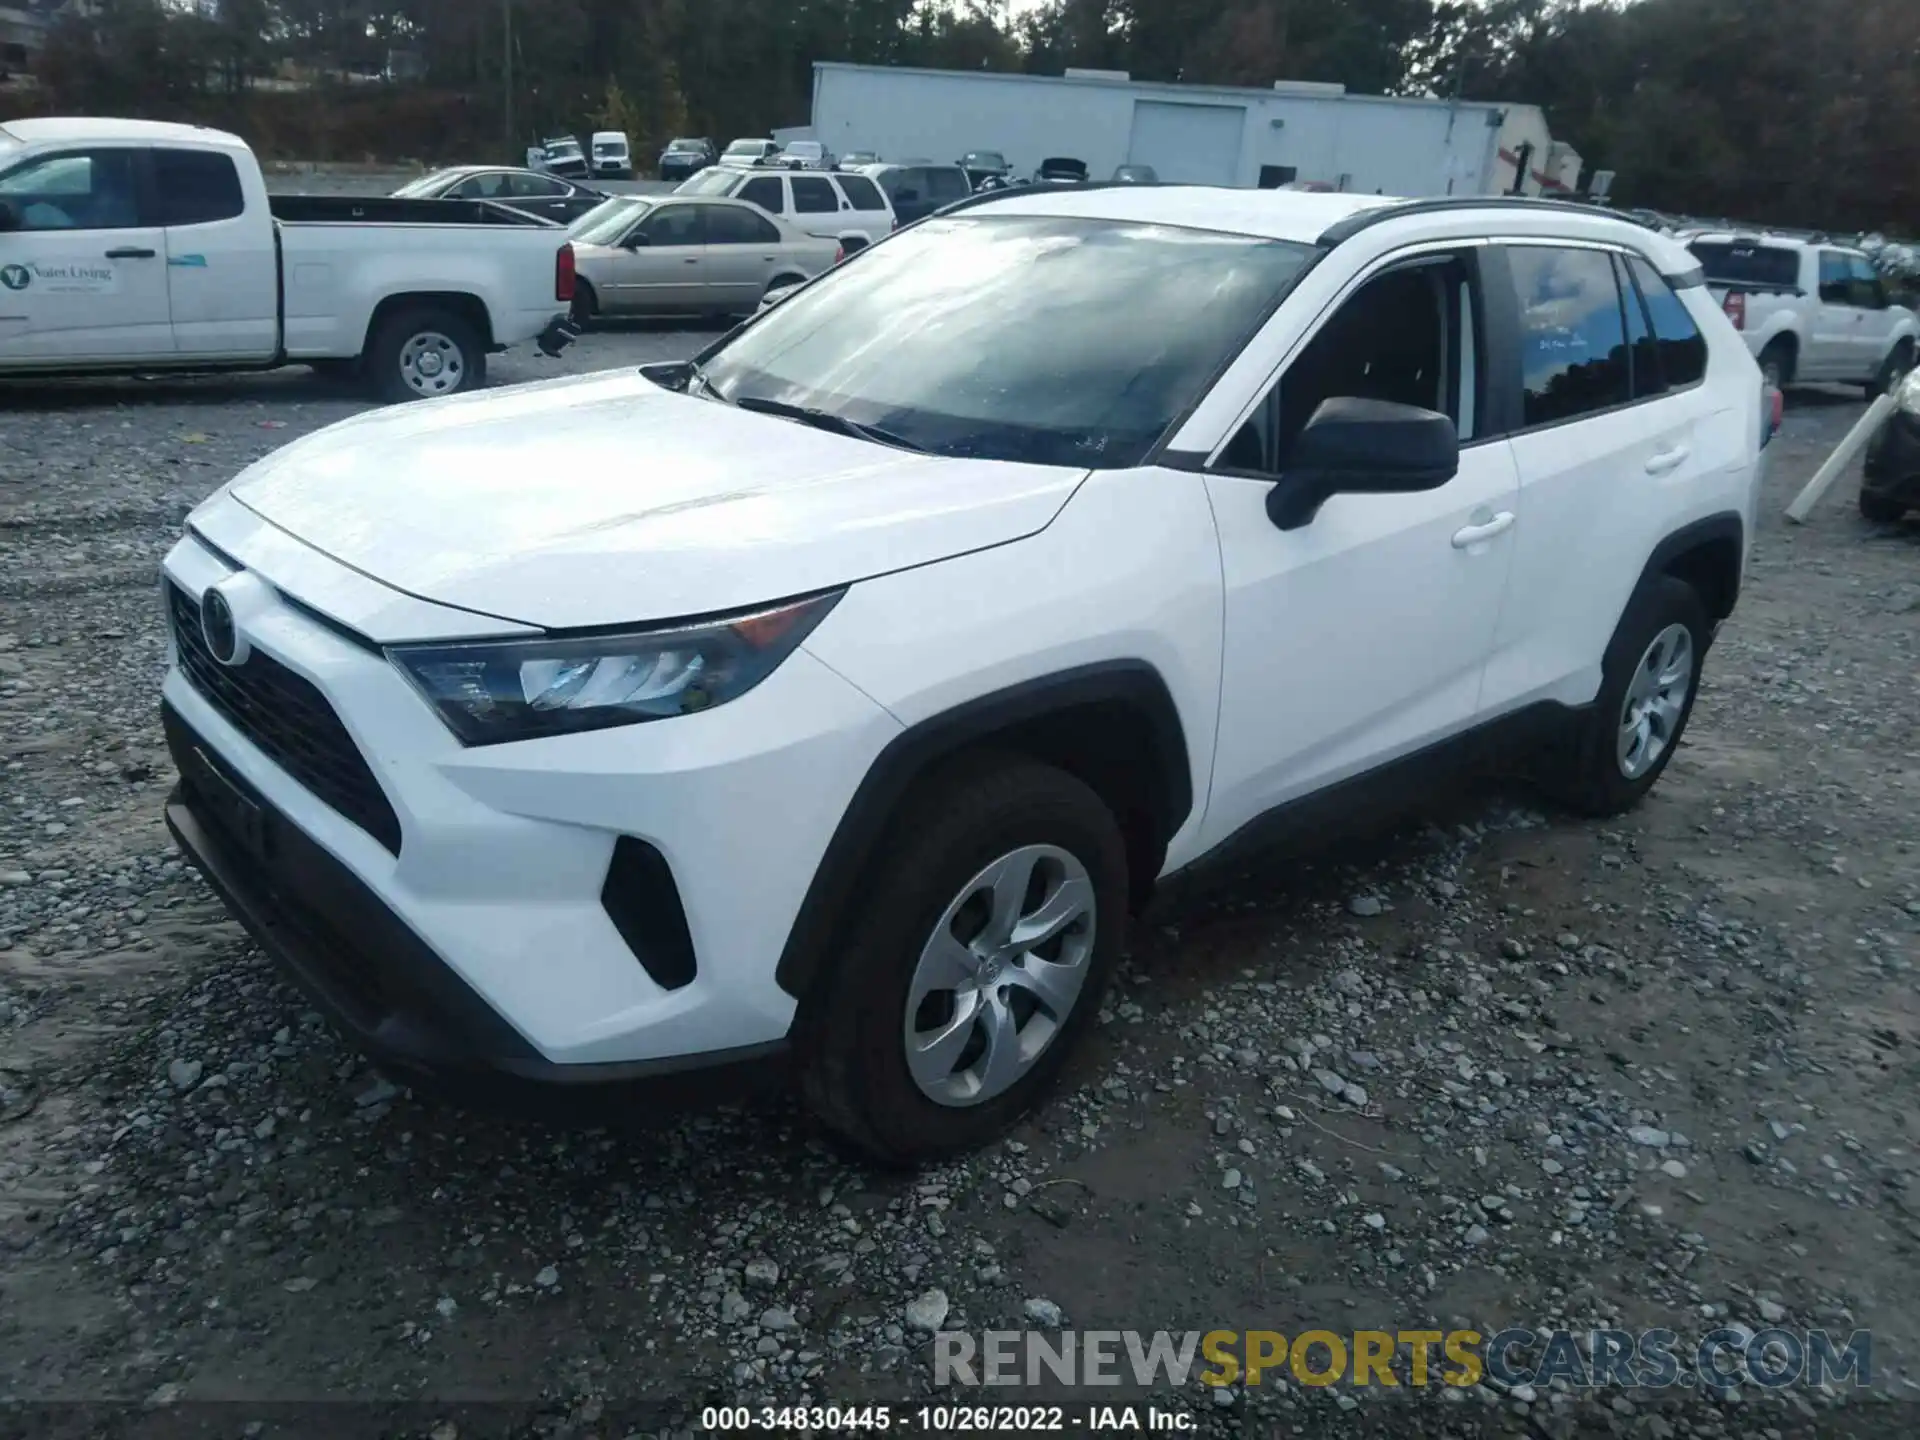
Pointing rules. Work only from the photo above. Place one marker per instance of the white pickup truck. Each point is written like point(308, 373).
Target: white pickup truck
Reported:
point(132, 246)
point(1810, 310)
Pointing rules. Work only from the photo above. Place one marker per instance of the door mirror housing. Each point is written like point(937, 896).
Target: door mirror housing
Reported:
point(1362, 447)
point(638, 241)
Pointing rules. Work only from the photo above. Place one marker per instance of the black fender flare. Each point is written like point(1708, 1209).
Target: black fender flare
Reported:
point(913, 752)
point(1727, 525)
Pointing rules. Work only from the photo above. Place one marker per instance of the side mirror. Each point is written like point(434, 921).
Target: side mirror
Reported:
point(638, 242)
point(1370, 447)
point(9, 215)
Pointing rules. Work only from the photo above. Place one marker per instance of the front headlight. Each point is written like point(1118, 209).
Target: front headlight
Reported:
point(1908, 395)
point(492, 691)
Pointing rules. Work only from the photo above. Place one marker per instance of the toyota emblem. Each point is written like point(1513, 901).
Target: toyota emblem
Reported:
point(218, 630)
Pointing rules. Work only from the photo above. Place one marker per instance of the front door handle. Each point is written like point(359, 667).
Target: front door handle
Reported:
point(130, 252)
point(691, 260)
point(1474, 534)
point(1668, 460)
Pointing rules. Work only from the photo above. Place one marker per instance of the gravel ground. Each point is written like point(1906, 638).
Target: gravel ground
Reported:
point(1496, 1067)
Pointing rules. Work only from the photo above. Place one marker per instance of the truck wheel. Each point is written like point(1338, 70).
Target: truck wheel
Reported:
point(1776, 364)
point(1648, 682)
point(425, 353)
point(976, 956)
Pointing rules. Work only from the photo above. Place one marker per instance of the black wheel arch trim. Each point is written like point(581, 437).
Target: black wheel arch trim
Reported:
point(913, 752)
point(1726, 525)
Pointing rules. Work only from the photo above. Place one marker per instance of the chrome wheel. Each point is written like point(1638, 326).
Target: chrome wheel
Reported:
point(432, 364)
point(999, 975)
point(1656, 699)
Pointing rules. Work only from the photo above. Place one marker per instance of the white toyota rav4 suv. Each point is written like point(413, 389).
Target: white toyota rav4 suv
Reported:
point(831, 700)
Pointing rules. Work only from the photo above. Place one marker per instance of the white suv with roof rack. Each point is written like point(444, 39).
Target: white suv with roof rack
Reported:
point(839, 205)
point(870, 670)
point(1810, 310)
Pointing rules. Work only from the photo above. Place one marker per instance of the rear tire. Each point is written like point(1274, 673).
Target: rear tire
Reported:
point(1776, 363)
point(1056, 850)
point(423, 353)
point(586, 305)
point(1649, 679)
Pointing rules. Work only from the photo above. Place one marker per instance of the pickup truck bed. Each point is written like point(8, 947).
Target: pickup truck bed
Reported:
point(393, 210)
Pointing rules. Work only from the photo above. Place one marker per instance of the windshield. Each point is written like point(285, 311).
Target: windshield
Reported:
point(1738, 263)
point(609, 147)
point(985, 160)
point(804, 147)
point(747, 147)
point(1029, 338)
point(559, 148)
point(685, 145)
point(711, 182)
point(608, 221)
point(426, 184)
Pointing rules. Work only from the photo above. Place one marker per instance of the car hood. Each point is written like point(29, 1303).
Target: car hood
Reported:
point(603, 499)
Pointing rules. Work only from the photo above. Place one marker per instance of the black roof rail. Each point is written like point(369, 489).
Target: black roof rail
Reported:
point(1352, 225)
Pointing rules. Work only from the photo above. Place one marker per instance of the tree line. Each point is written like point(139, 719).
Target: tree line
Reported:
point(1790, 111)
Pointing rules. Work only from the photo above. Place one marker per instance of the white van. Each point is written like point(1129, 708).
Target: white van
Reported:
point(612, 158)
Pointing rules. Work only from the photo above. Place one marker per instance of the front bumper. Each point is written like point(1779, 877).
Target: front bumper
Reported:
point(1893, 461)
point(482, 932)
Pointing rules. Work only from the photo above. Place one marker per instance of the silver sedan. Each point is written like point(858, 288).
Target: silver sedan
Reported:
point(702, 255)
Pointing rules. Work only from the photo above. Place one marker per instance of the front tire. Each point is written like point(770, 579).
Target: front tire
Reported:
point(1898, 362)
point(424, 354)
point(976, 957)
point(1649, 679)
point(1880, 509)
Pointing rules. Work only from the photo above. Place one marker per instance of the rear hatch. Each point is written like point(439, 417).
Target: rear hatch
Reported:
point(1738, 269)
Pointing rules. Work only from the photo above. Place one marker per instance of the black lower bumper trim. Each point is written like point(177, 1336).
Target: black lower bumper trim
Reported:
point(366, 969)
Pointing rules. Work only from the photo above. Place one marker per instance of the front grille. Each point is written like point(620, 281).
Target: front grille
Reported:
point(289, 720)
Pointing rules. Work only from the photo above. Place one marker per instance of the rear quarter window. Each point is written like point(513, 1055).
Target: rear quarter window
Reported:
point(1678, 343)
point(861, 193)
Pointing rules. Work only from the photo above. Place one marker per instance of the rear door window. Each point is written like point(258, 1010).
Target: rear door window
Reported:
point(196, 187)
point(1573, 339)
point(764, 191)
point(674, 225)
point(814, 195)
point(1760, 267)
point(860, 192)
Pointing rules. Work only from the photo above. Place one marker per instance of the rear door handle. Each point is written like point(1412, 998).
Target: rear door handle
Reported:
point(1474, 534)
point(1668, 460)
point(130, 252)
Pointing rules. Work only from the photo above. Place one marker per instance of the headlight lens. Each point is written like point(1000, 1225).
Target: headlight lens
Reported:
point(493, 691)
point(1909, 393)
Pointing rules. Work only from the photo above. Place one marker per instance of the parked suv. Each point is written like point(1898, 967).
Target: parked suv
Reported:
point(864, 676)
point(1810, 310)
point(840, 206)
point(916, 191)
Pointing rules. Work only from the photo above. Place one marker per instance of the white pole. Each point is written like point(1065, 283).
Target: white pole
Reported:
point(1841, 457)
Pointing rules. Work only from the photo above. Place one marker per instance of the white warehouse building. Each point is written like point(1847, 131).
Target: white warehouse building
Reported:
point(1297, 132)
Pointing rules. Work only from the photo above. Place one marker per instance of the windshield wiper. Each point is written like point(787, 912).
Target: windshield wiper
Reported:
point(827, 420)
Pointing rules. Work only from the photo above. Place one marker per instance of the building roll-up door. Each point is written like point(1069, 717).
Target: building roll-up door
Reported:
point(1188, 144)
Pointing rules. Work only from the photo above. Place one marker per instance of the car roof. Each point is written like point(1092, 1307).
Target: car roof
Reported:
point(1307, 217)
point(1269, 213)
point(57, 128)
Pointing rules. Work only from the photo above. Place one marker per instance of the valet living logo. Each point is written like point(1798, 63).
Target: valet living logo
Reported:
point(71, 277)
